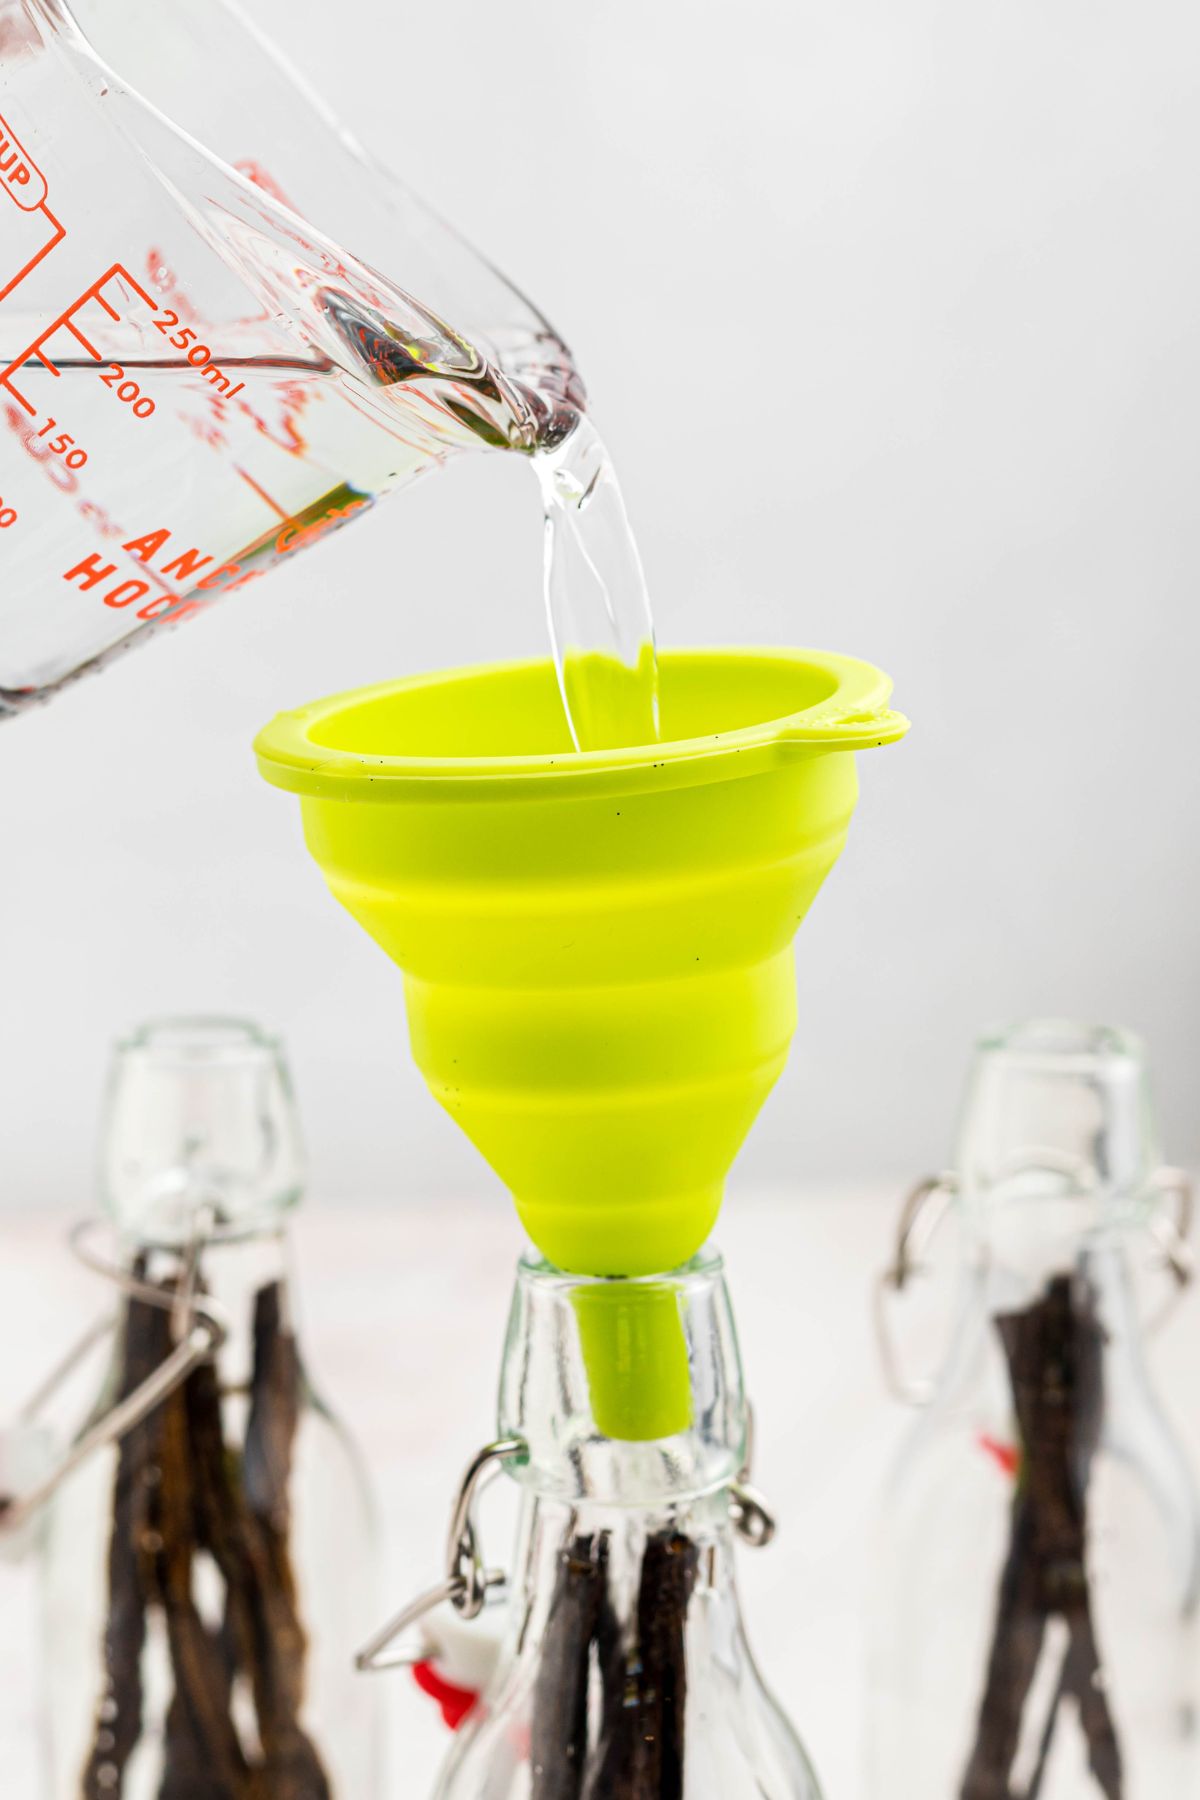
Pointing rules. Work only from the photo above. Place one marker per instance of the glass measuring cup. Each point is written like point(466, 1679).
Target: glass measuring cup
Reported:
point(196, 380)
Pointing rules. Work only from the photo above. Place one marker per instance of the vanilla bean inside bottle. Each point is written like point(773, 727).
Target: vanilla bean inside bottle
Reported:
point(1036, 1591)
point(206, 1578)
point(1054, 1351)
point(626, 1673)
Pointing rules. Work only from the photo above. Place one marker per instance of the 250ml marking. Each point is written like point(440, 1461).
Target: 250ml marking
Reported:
point(199, 355)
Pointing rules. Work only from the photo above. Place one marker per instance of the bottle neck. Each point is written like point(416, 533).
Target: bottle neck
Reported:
point(1076, 1297)
point(562, 1548)
point(626, 1394)
point(246, 1279)
point(624, 1543)
point(1017, 1244)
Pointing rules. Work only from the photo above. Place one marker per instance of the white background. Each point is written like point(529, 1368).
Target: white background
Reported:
point(923, 281)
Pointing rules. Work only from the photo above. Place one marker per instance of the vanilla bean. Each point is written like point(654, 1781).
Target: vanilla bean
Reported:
point(290, 1761)
point(1055, 1351)
point(242, 1519)
point(217, 1504)
point(559, 1744)
point(646, 1682)
point(203, 1755)
point(144, 1343)
point(637, 1750)
point(668, 1576)
point(183, 1491)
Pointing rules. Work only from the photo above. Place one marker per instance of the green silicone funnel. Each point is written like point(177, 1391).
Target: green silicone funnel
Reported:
point(597, 946)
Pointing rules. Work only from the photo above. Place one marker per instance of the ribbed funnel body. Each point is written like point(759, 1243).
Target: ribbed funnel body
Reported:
point(597, 947)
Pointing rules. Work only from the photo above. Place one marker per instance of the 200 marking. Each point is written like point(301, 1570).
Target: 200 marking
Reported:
point(128, 391)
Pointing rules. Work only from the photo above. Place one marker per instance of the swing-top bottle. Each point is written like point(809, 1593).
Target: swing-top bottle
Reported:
point(626, 1669)
point(1034, 1628)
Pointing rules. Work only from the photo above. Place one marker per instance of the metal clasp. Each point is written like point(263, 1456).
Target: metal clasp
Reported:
point(201, 1331)
point(752, 1516)
point(1171, 1229)
point(467, 1581)
point(925, 1207)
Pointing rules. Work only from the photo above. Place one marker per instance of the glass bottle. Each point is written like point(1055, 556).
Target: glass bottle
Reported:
point(206, 1578)
point(625, 1674)
point(1036, 1589)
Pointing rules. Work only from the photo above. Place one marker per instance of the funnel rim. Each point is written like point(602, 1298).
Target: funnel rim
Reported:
point(854, 716)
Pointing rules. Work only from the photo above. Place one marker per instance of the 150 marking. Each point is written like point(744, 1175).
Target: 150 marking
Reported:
point(64, 445)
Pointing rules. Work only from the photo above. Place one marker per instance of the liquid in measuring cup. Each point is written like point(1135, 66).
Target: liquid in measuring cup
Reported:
point(197, 385)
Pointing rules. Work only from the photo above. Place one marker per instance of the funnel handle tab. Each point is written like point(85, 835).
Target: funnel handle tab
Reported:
point(856, 728)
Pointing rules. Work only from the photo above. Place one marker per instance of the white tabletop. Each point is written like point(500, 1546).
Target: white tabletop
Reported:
point(404, 1313)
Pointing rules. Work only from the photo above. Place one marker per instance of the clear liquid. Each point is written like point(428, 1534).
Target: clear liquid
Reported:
point(597, 604)
point(284, 451)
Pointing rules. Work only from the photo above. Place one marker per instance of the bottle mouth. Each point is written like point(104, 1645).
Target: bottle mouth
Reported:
point(1046, 1044)
point(1059, 1110)
point(626, 1389)
point(200, 1139)
point(632, 1334)
point(192, 1039)
point(706, 1266)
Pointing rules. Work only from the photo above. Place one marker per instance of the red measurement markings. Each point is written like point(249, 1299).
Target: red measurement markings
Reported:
point(198, 355)
point(262, 178)
point(37, 449)
point(289, 400)
point(264, 496)
point(25, 185)
point(295, 536)
point(163, 279)
point(63, 445)
point(68, 322)
point(129, 391)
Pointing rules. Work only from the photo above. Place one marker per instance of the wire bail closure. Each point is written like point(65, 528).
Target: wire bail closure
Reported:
point(200, 1331)
point(752, 1514)
point(468, 1583)
point(1170, 1226)
point(922, 1213)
